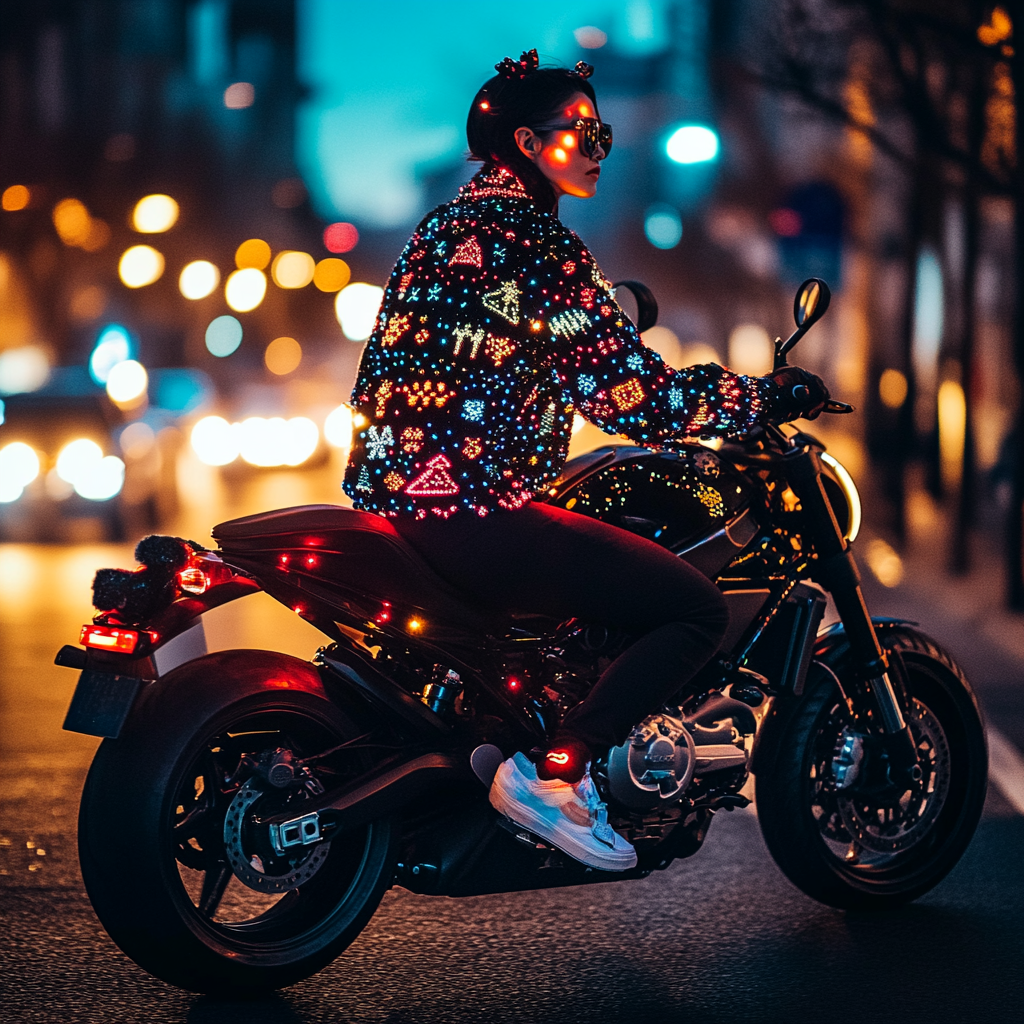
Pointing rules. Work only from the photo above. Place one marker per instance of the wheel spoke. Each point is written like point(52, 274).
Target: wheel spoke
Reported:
point(192, 824)
point(215, 881)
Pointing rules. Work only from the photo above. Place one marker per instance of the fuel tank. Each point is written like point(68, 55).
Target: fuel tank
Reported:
point(687, 500)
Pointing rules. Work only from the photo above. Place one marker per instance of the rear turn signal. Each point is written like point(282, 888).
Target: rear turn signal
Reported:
point(109, 638)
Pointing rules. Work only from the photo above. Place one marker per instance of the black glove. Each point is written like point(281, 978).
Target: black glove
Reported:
point(795, 393)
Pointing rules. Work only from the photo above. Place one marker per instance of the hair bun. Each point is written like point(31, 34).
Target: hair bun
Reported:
point(528, 62)
point(583, 69)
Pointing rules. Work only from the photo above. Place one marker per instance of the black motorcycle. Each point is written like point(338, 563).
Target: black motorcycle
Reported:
point(247, 810)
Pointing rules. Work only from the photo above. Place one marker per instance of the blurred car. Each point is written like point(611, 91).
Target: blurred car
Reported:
point(73, 469)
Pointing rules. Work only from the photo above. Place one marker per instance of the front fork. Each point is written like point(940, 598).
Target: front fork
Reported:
point(836, 570)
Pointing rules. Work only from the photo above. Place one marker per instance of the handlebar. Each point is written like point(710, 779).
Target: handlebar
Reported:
point(801, 392)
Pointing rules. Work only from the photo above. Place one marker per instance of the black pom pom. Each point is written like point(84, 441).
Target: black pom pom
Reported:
point(136, 596)
point(110, 588)
point(163, 554)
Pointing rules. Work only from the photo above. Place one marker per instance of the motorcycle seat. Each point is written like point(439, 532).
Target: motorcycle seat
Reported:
point(363, 549)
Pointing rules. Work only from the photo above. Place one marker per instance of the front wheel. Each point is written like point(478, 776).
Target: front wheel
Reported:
point(175, 861)
point(873, 845)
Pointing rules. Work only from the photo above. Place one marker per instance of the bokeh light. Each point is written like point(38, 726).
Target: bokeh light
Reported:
point(19, 466)
point(137, 440)
point(338, 427)
point(76, 457)
point(223, 336)
point(253, 252)
point(155, 213)
point(750, 350)
point(283, 355)
point(140, 265)
point(82, 464)
point(214, 441)
point(198, 279)
point(663, 226)
point(340, 237)
point(113, 346)
point(239, 95)
point(127, 383)
point(331, 274)
point(892, 388)
point(22, 369)
point(15, 197)
point(103, 480)
point(356, 309)
point(590, 37)
point(72, 221)
point(293, 269)
point(245, 289)
point(692, 144)
point(276, 441)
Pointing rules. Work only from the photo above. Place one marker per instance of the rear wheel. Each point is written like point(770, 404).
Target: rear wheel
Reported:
point(872, 844)
point(183, 875)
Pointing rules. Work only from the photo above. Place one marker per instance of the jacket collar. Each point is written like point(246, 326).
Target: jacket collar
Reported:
point(493, 181)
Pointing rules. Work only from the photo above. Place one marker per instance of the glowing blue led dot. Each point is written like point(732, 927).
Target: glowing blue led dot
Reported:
point(676, 398)
point(473, 409)
point(635, 361)
point(586, 383)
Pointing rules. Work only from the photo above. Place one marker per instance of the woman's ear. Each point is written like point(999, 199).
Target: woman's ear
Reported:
point(529, 143)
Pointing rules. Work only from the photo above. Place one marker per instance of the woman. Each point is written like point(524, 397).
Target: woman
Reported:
point(496, 326)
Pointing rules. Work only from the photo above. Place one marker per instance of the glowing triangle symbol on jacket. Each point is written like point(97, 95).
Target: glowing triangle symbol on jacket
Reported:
point(434, 481)
point(504, 302)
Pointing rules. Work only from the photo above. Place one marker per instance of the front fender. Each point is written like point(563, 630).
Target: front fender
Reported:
point(830, 648)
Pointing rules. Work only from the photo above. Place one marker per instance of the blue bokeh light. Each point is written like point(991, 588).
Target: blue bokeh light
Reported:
point(223, 336)
point(113, 346)
point(663, 226)
point(692, 144)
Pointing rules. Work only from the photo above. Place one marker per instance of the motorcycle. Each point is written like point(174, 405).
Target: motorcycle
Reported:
point(247, 810)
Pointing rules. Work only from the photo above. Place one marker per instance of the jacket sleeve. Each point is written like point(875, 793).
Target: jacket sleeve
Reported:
point(616, 381)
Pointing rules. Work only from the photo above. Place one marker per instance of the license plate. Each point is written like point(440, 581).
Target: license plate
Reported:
point(101, 703)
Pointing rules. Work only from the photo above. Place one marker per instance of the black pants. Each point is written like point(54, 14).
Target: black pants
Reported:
point(552, 562)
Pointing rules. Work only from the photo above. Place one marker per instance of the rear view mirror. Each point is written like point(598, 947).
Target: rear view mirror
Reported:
point(811, 302)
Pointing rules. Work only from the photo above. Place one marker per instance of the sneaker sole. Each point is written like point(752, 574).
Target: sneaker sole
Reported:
point(524, 816)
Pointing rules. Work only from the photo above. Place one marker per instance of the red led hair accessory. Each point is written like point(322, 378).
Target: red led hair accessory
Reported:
point(528, 61)
point(583, 69)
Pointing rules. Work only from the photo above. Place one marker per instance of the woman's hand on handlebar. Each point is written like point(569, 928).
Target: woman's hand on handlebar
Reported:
point(795, 393)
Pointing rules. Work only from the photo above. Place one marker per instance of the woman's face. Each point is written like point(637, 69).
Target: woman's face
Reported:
point(557, 154)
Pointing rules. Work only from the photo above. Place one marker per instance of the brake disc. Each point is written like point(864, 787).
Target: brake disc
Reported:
point(260, 869)
point(900, 823)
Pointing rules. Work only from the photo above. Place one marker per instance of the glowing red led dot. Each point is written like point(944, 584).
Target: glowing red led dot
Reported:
point(311, 560)
point(341, 237)
point(513, 683)
point(284, 559)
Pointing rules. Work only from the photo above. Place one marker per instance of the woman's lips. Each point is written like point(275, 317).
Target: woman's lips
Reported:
point(594, 173)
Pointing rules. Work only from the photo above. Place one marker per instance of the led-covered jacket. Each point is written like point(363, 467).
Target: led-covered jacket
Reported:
point(496, 325)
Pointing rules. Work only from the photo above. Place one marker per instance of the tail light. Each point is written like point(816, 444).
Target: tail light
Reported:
point(110, 638)
point(203, 571)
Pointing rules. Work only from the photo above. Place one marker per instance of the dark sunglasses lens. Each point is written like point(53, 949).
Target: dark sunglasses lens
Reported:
point(596, 134)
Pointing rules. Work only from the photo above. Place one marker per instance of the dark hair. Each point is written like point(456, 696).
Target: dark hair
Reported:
point(533, 101)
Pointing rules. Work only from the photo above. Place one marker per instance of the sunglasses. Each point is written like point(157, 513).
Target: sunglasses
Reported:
point(592, 133)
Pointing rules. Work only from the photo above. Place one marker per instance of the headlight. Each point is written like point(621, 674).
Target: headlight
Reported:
point(850, 493)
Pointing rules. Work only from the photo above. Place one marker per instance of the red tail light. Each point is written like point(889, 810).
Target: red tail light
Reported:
point(193, 580)
point(110, 638)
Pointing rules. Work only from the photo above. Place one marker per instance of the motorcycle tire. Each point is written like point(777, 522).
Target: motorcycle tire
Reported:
point(154, 849)
point(875, 849)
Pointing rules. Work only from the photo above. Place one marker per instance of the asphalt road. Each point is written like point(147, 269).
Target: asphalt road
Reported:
point(721, 937)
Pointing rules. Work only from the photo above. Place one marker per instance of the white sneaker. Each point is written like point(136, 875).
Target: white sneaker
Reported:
point(572, 818)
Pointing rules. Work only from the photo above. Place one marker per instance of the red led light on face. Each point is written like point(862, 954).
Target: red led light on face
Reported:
point(108, 638)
